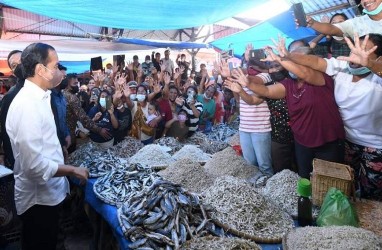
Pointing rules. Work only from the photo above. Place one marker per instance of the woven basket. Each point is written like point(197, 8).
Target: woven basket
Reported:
point(328, 174)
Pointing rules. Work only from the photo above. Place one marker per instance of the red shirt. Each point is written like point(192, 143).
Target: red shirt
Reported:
point(314, 115)
point(165, 109)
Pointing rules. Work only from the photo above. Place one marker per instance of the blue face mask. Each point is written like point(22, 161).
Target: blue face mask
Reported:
point(293, 76)
point(358, 71)
point(373, 12)
point(102, 102)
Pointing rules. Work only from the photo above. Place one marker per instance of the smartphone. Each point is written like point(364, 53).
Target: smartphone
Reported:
point(96, 63)
point(108, 102)
point(257, 54)
point(230, 52)
point(299, 14)
point(230, 65)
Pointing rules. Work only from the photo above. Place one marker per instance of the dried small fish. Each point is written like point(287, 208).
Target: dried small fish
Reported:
point(170, 142)
point(218, 243)
point(166, 223)
point(120, 184)
point(152, 155)
point(191, 152)
point(127, 147)
point(238, 205)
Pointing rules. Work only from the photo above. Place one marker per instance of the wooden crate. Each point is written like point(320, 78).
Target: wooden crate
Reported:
point(328, 174)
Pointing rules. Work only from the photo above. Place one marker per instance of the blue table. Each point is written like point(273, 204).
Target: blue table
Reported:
point(109, 214)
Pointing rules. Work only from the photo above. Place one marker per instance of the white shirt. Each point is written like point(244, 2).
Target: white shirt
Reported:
point(360, 104)
point(37, 150)
point(362, 25)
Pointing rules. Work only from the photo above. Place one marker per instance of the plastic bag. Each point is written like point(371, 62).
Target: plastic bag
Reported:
point(337, 210)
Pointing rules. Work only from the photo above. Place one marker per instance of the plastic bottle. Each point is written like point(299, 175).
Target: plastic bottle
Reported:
point(304, 190)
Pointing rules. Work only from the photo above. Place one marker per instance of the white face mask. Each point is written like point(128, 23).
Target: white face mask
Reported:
point(141, 98)
point(133, 97)
point(102, 102)
point(56, 77)
point(108, 71)
point(147, 61)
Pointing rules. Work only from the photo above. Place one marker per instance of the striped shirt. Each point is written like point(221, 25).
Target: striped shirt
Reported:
point(255, 118)
point(192, 121)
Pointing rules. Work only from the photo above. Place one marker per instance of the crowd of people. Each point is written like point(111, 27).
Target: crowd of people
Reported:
point(293, 106)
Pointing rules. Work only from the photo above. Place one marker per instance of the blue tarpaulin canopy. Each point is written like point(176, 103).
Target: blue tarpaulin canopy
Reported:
point(137, 14)
point(163, 44)
point(260, 35)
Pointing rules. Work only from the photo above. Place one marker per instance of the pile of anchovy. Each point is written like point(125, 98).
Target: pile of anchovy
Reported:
point(127, 148)
point(207, 145)
point(333, 237)
point(239, 206)
point(281, 189)
point(228, 163)
point(152, 155)
point(84, 151)
point(189, 173)
point(220, 243)
point(163, 215)
point(98, 162)
point(120, 184)
point(191, 152)
point(169, 142)
point(221, 132)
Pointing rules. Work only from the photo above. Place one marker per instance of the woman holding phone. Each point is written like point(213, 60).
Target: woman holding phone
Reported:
point(103, 115)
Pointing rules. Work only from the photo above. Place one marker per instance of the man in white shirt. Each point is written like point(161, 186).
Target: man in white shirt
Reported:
point(40, 185)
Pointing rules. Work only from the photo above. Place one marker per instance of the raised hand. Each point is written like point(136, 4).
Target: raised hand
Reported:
point(130, 66)
point(126, 90)
point(224, 69)
point(232, 85)
point(157, 88)
point(166, 78)
point(280, 46)
point(248, 48)
point(238, 76)
point(359, 52)
point(115, 69)
point(162, 67)
point(180, 100)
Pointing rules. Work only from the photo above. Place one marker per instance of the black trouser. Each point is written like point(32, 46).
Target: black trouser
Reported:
point(331, 151)
point(40, 227)
point(282, 156)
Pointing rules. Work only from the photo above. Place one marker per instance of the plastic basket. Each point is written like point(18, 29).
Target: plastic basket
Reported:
point(328, 174)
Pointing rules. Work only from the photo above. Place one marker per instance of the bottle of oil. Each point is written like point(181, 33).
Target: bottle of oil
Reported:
point(304, 190)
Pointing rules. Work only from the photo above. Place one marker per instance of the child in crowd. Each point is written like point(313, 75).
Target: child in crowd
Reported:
point(152, 111)
point(176, 127)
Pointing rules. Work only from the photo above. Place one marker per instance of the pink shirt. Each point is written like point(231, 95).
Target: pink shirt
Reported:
point(314, 115)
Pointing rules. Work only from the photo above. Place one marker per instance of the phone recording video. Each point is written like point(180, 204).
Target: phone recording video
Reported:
point(108, 102)
point(299, 14)
point(257, 54)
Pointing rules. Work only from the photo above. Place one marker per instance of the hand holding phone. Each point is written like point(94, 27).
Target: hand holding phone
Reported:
point(299, 14)
point(257, 54)
point(108, 103)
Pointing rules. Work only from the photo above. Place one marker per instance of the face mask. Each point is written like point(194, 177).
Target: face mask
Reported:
point(192, 75)
point(293, 76)
point(373, 12)
point(141, 98)
point(74, 89)
point(182, 118)
point(102, 102)
point(191, 92)
point(358, 71)
point(147, 61)
point(18, 71)
point(133, 97)
point(277, 76)
point(56, 77)
point(206, 97)
point(108, 71)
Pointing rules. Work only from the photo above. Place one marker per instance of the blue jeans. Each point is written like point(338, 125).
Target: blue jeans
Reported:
point(256, 149)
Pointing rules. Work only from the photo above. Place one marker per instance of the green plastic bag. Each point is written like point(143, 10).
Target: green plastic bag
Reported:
point(337, 210)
